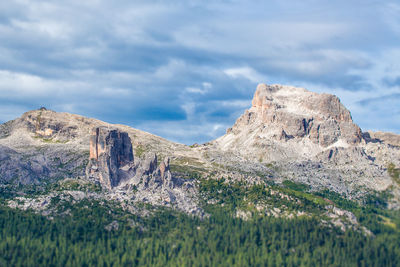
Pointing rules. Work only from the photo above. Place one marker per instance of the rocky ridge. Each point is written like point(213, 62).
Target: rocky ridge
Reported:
point(287, 134)
point(43, 146)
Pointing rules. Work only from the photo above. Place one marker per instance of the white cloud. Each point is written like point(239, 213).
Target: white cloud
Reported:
point(206, 86)
point(115, 92)
point(188, 133)
point(22, 85)
point(168, 71)
point(241, 104)
point(53, 29)
point(195, 90)
point(245, 72)
point(375, 107)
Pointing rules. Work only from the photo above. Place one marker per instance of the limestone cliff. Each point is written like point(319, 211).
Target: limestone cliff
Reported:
point(111, 156)
point(285, 114)
point(111, 163)
point(297, 113)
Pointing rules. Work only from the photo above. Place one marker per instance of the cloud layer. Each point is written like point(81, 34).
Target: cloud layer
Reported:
point(185, 70)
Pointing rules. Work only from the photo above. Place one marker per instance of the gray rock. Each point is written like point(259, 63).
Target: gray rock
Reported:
point(111, 156)
point(299, 114)
point(382, 137)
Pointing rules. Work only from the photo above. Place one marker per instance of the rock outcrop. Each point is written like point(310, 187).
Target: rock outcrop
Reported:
point(111, 156)
point(288, 112)
point(146, 174)
point(44, 146)
point(111, 162)
point(283, 116)
point(383, 137)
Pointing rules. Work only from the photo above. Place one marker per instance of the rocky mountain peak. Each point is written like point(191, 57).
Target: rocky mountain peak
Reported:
point(293, 121)
point(299, 101)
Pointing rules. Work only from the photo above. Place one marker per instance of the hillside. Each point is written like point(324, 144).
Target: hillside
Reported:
point(294, 158)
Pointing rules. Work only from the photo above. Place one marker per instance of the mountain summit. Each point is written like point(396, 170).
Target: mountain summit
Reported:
point(293, 119)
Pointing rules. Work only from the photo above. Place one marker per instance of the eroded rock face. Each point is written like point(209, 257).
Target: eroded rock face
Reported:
point(379, 137)
point(310, 138)
point(43, 146)
point(300, 113)
point(111, 156)
point(286, 122)
point(149, 175)
point(49, 125)
point(111, 162)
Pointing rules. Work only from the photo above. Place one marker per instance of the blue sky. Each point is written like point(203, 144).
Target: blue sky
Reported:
point(185, 70)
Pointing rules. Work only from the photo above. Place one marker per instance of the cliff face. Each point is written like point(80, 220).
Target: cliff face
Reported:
point(111, 163)
point(113, 142)
point(298, 113)
point(111, 156)
point(382, 137)
point(280, 115)
point(287, 112)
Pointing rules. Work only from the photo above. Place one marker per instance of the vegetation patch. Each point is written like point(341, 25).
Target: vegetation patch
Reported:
point(388, 222)
point(139, 151)
point(98, 232)
point(50, 140)
point(74, 184)
point(394, 172)
point(235, 195)
point(296, 186)
point(188, 172)
point(187, 161)
point(218, 194)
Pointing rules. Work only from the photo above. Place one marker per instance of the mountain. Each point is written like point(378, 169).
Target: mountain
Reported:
point(293, 155)
point(44, 146)
point(312, 139)
point(288, 133)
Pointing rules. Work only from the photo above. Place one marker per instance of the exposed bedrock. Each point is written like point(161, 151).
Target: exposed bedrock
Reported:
point(111, 156)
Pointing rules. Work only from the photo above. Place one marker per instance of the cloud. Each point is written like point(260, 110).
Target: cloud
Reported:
point(187, 69)
point(245, 72)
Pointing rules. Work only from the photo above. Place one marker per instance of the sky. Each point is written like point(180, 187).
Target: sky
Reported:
point(186, 70)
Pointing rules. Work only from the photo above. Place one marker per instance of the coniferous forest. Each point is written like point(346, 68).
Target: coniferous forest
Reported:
point(171, 238)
